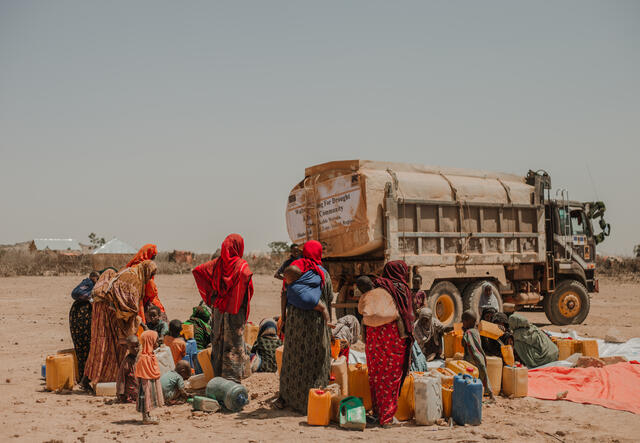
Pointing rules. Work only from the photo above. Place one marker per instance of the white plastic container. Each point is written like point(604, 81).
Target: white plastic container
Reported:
point(428, 399)
point(165, 359)
point(198, 381)
point(106, 389)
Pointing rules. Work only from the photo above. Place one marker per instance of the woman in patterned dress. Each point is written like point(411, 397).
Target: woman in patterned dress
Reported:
point(388, 347)
point(80, 320)
point(306, 360)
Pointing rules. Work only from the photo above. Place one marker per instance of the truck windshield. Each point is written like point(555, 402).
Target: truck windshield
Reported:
point(578, 223)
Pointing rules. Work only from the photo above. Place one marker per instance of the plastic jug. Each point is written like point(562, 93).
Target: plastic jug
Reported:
point(490, 330)
point(106, 389)
point(335, 348)
point(507, 355)
point(165, 359)
point(230, 394)
point(446, 376)
point(318, 407)
point(446, 401)
point(462, 367)
point(352, 414)
point(494, 372)
point(339, 371)
point(515, 381)
point(72, 352)
point(588, 348)
point(428, 399)
point(206, 404)
point(466, 400)
point(359, 384)
point(406, 404)
point(196, 382)
point(251, 334)
point(204, 358)
point(187, 331)
point(59, 372)
point(567, 347)
point(335, 406)
point(279, 352)
point(452, 343)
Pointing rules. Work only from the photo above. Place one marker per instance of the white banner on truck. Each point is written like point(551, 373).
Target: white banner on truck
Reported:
point(338, 200)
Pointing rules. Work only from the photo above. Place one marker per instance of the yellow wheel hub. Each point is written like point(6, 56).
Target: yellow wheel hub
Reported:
point(569, 304)
point(445, 308)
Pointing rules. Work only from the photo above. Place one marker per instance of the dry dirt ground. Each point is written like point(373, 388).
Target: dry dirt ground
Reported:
point(33, 314)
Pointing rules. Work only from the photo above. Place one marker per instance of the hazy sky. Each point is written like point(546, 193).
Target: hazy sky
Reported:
point(180, 122)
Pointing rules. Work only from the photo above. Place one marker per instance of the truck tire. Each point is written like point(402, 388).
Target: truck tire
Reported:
point(568, 305)
point(445, 302)
point(472, 293)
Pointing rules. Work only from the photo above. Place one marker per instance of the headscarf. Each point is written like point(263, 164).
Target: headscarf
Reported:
point(533, 346)
point(394, 281)
point(267, 327)
point(147, 252)
point(311, 259)
point(500, 318)
point(347, 329)
point(227, 278)
point(101, 286)
point(487, 310)
point(201, 328)
point(147, 364)
point(427, 328)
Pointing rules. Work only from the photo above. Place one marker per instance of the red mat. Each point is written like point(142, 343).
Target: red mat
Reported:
point(614, 386)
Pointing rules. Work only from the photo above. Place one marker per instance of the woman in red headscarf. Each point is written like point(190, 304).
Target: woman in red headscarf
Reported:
point(148, 252)
point(306, 361)
point(388, 346)
point(225, 285)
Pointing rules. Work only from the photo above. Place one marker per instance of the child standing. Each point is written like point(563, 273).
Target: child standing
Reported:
point(126, 382)
point(148, 373)
point(473, 352)
point(173, 340)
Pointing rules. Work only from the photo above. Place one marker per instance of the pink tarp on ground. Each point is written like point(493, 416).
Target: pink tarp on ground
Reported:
point(614, 386)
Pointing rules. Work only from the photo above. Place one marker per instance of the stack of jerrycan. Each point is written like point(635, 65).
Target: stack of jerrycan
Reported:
point(318, 407)
point(358, 376)
point(466, 408)
point(515, 381)
point(59, 372)
point(428, 399)
point(567, 347)
point(231, 395)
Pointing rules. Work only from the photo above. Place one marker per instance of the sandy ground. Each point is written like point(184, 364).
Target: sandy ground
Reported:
point(33, 314)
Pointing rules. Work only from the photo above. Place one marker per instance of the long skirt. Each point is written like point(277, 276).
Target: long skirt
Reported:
point(80, 325)
point(306, 361)
point(105, 355)
point(229, 356)
point(149, 395)
point(386, 355)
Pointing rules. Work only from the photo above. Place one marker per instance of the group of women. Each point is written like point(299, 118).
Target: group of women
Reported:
point(109, 307)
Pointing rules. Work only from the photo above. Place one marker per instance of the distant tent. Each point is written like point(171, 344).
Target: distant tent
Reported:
point(56, 244)
point(115, 246)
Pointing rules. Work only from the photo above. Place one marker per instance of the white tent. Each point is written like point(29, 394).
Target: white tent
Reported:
point(115, 246)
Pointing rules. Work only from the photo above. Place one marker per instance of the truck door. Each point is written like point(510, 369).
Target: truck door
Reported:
point(582, 236)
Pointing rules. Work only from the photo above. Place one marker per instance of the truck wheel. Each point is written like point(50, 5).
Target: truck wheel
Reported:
point(472, 293)
point(568, 305)
point(445, 302)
